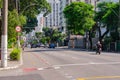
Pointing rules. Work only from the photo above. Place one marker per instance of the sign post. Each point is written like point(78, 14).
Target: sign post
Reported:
point(18, 29)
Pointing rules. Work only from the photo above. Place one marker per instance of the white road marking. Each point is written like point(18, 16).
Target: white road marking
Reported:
point(69, 77)
point(40, 69)
point(75, 58)
point(56, 67)
point(90, 63)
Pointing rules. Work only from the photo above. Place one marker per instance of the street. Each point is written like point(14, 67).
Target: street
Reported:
point(65, 64)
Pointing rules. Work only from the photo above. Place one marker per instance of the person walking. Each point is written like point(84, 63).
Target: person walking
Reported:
point(98, 47)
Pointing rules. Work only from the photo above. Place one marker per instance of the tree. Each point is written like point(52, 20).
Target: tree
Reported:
point(53, 35)
point(19, 11)
point(38, 35)
point(31, 8)
point(106, 16)
point(13, 21)
point(31, 23)
point(79, 17)
point(0, 3)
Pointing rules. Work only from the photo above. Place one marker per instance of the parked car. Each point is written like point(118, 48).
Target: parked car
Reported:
point(51, 45)
point(38, 44)
point(33, 46)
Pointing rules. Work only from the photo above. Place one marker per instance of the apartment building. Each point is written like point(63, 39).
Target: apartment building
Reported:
point(52, 20)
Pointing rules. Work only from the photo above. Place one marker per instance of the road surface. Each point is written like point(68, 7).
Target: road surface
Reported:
point(65, 64)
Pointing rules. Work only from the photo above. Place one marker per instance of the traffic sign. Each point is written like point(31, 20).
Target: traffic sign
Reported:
point(18, 28)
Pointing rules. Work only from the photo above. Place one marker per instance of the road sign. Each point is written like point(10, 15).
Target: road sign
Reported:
point(18, 28)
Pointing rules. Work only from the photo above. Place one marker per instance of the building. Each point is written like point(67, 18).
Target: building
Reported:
point(52, 20)
point(40, 23)
point(56, 18)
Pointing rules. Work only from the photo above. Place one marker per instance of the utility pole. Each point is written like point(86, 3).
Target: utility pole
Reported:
point(4, 34)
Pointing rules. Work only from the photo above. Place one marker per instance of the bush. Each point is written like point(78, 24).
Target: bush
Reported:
point(15, 54)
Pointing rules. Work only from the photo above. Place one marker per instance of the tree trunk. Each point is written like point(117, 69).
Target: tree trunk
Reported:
point(90, 39)
point(0, 31)
point(106, 32)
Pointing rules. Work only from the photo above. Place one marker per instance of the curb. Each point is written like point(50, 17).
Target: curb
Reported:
point(9, 68)
point(16, 66)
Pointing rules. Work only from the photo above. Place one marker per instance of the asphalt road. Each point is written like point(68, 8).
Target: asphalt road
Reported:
point(65, 64)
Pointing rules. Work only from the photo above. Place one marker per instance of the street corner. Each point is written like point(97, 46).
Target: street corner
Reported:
point(11, 65)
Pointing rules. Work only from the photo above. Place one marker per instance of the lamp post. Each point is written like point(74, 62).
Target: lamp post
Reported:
point(4, 34)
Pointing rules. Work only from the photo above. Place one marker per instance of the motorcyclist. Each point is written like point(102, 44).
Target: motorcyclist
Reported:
point(98, 47)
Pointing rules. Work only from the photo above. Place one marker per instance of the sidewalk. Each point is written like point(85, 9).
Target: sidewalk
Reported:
point(11, 64)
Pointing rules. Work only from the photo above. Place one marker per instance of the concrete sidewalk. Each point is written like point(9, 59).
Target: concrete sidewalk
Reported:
point(11, 64)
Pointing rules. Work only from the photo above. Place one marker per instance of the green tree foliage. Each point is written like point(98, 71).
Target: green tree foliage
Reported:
point(17, 13)
point(0, 3)
point(30, 24)
point(79, 17)
point(107, 16)
point(53, 35)
point(34, 7)
point(38, 34)
point(31, 8)
point(14, 20)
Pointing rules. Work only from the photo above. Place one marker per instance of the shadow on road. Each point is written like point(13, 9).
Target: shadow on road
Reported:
point(45, 50)
point(23, 77)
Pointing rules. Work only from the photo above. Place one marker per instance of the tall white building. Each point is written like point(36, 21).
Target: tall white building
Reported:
point(53, 19)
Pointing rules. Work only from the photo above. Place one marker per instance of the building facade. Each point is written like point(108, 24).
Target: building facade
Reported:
point(53, 19)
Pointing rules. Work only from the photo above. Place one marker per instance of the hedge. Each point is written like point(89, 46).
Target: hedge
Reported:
point(15, 54)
